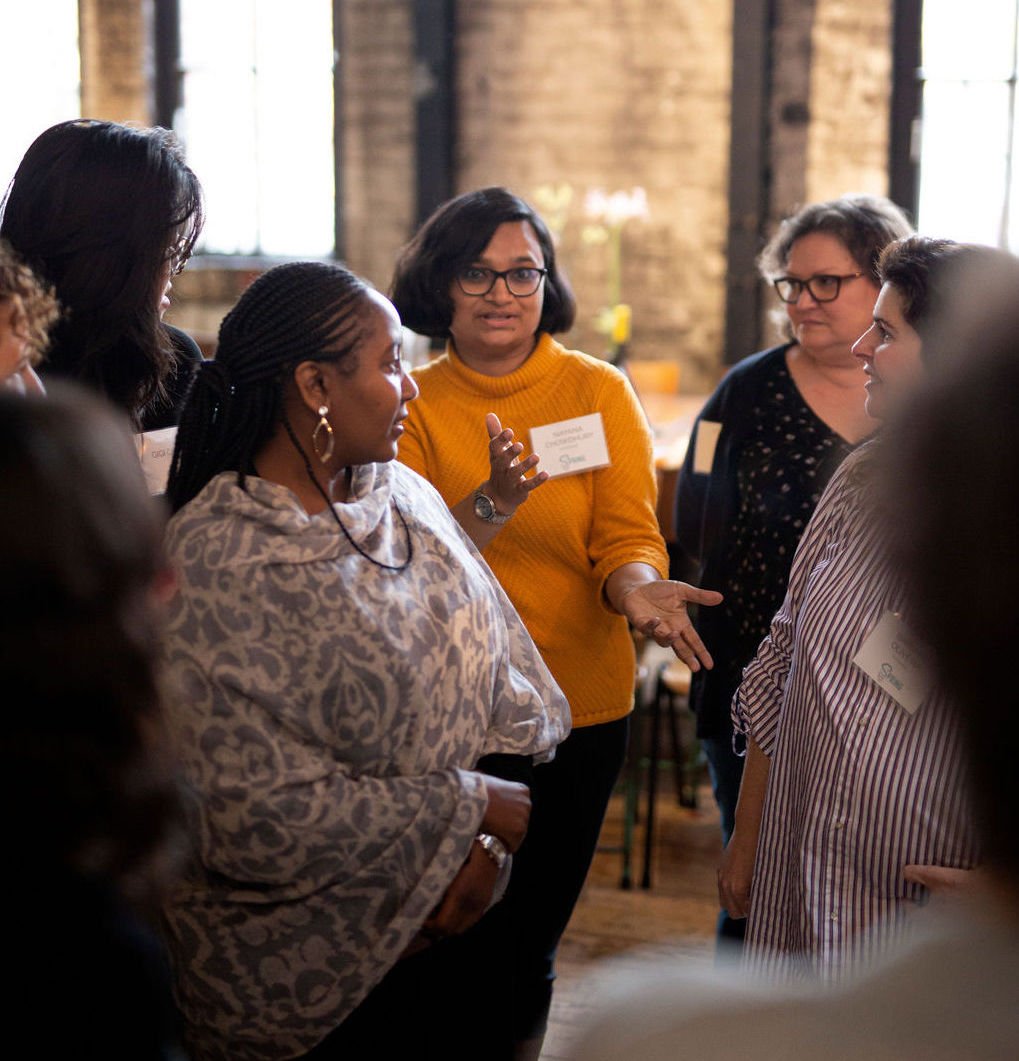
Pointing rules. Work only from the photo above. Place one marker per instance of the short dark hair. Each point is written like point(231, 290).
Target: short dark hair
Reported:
point(954, 481)
point(97, 209)
point(454, 237)
point(918, 267)
point(865, 224)
point(82, 781)
point(301, 311)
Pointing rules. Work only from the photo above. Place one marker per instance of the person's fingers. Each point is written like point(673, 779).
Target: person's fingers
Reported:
point(682, 650)
point(493, 425)
point(709, 597)
point(691, 641)
point(534, 482)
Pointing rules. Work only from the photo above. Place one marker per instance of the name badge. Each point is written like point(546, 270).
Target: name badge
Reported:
point(155, 451)
point(704, 446)
point(569, 446)
point(897, 661)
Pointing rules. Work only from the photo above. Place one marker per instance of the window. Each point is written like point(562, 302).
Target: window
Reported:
point(968, 184)
point(257, 122)
point(40, 75)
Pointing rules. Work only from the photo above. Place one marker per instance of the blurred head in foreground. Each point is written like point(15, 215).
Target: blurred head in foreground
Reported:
point(83, 791)
point(955, 487)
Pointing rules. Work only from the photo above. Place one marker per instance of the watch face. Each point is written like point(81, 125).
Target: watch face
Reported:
point(483, 507)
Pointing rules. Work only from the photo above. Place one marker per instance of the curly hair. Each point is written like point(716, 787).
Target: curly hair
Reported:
point(865, 224)
point(922, 271)
point(35, 304)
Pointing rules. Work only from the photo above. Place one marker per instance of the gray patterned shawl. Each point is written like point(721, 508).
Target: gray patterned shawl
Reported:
point(328, 714)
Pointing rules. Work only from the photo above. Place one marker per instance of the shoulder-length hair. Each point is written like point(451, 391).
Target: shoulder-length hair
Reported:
point(99, 210)
point(79, 641)
point(454, 237)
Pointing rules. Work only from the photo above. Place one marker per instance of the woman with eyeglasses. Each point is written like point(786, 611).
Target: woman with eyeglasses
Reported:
point(578, 560)
point(766, 444)
point(107, 214)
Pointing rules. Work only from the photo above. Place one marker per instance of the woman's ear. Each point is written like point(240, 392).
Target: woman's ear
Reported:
point(309, 379)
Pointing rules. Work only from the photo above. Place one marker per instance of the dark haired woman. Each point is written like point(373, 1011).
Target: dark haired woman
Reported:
point(766, 444)
point(854, 784)
point(90, 814)
point(107, 214)
point(578, 561)
point(345, 659)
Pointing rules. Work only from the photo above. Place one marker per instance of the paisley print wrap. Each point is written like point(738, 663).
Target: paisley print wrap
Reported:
point(328, 715)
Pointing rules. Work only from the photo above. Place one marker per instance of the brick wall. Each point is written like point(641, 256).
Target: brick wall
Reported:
point(850, 89)
point(116, 59)
point(612, 94)
point(608, 94)
point(378, 143)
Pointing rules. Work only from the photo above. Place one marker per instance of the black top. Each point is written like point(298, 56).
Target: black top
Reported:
point(87, 978)
point(159, 413)
point(743, 521)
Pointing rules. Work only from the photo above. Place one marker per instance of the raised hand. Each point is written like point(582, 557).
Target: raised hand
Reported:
point(508, 485)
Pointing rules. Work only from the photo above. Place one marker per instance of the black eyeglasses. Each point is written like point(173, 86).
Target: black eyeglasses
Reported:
point(822, 288)
point(178, 256)
point(521, 282)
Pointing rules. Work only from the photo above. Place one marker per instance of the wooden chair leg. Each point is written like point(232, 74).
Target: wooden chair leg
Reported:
point(654, 721)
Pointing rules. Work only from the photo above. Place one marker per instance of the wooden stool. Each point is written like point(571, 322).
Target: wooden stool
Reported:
point(672, 688)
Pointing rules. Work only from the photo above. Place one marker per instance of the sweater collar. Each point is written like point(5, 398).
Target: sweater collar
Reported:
point(536, 369)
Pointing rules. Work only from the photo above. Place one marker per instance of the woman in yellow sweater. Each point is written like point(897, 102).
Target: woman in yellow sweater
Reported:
point(579, 560)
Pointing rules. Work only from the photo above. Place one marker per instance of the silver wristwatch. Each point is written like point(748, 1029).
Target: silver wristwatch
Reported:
point(494, 848)
point(484, 509)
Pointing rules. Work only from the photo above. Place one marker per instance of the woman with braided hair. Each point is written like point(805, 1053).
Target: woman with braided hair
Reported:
point(348, 671)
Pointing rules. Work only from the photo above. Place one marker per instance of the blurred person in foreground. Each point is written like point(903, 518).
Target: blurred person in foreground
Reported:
point(90, 815)
point(952, 490)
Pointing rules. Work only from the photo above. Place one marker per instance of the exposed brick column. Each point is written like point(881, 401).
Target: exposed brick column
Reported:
point(116, 59)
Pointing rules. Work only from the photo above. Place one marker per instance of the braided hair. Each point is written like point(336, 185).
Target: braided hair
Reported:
point(301, 311)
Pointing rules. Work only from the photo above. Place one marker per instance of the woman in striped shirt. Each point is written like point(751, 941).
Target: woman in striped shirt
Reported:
point(854, 775)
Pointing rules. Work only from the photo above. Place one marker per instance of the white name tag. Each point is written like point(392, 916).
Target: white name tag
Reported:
point(155, 451)
point(568, 446)
point(897, 661)
point(704, 446)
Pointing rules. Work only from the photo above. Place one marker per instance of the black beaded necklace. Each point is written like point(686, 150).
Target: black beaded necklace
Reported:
point(339, 523)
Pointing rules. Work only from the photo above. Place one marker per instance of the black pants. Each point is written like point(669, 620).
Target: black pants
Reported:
point(474, 996)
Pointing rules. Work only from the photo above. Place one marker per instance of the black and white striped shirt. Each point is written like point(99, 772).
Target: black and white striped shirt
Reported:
point(858, 787)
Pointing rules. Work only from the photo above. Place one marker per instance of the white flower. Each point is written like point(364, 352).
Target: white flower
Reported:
point(617, 208)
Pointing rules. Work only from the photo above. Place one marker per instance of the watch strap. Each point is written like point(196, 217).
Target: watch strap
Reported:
point(494, 848)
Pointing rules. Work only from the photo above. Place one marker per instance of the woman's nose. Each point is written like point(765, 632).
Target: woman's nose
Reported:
point(409, 390)
point(863, 347)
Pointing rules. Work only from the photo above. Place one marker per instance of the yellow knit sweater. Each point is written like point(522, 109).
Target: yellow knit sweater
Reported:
point(554, 555)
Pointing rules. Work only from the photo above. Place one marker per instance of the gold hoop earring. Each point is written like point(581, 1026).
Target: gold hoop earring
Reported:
point(323, 429)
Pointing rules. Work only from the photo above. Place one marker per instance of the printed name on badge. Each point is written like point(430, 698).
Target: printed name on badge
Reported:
point(704, 446)
point(155, 451)
point(894, 658)
point(569, 446)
